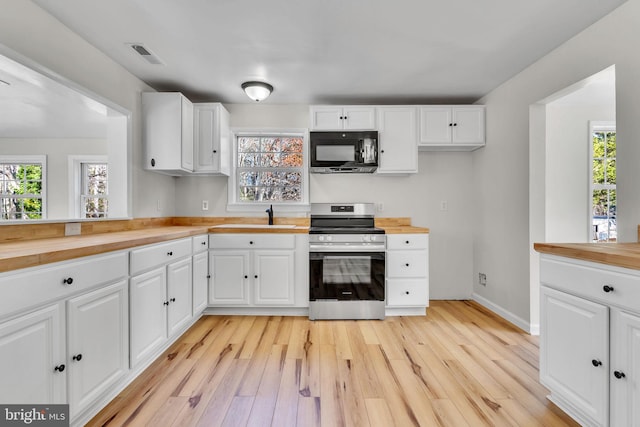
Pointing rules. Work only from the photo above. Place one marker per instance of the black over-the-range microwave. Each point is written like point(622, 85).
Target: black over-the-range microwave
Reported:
point(343, 152)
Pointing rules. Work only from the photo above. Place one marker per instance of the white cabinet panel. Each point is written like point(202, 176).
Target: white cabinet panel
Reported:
point(98, 343)
point(335, 117)
point(625, 369)
point(32, 363)
point(574, 352)
point(229, 277)
point(148, 313)
point(407, 263)
point(179, 290)
point(211, 139)
point(151, 256)
point(452, 127)
point(407, 270)
point(398, 137)
point(407, 293)
point(200, 282)
point(273, 278)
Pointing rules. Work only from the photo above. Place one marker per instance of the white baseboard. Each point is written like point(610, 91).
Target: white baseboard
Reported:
point(507, 315)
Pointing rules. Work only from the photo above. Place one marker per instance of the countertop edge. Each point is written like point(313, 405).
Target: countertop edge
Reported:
point(626, 255)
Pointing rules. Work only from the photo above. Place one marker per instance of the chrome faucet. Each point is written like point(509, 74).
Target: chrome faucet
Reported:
point(270, 212)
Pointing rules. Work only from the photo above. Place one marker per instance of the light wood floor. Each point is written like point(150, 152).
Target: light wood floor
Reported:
point(460, 365)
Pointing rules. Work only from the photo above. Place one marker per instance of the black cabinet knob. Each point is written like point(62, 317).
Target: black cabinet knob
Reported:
point(246, 277)
point(172, 300)
point(203, 243)
point(382, 151)
point(208, 276)
point(407, 292)
point(153, 162)
point(77, 357)
point(166, 303)
point(251, 242)
point(59, 368)
point(215, 151)
point(596, 363)
point(455, 124)
point(406, 242)
point(255, 277)
point(607, 288)
point(450, 124)
point(407, 264)
point(618, 374)
point(67, 281)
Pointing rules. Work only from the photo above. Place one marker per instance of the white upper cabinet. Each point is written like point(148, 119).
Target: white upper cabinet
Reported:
point(446, 127)
point(211, 139)
point(336, 117)
point(398, 139)
point(167, 132)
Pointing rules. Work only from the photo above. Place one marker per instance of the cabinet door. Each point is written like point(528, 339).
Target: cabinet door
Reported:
point(574, 352)
point(436, 125)
point(407, 293)
point(200, 282)
point(147, 293)
point(359, 118)
point(273, 277)
point(468, 125)
point(31, 347)
point(98, 343)
point(179, 287)
point(327, 118)
point(206, 145)
point(398, 131)
point(229, 282)
point(187, 134)
point(625, 360)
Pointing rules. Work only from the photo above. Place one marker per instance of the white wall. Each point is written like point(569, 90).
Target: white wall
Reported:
point(442, 177)
point(33, 33)
point(501, 170)
point(567, 169)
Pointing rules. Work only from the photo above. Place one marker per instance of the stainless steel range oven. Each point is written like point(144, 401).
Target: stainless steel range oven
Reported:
point(346, 262)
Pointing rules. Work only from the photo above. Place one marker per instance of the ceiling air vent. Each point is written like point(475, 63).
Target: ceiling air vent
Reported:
point(146, 54)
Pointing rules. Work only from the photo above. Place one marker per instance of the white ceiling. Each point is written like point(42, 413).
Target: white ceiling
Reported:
point(326, 51)
point(330, 51)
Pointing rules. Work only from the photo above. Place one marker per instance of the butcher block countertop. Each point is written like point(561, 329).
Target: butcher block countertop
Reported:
point(616, 254)
point(30, 245)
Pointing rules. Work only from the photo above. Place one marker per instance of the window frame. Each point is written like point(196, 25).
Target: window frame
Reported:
point(76, 180)
point(30, 160)
point(598, 126)
point(233, 202)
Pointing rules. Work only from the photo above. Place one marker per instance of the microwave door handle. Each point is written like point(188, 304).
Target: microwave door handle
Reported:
point(360, 158)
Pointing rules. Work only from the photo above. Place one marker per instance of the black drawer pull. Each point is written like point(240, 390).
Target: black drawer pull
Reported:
point(596, 363)
point(77, 357)
point(251, 242)
point(406, 242)
point(67, 281)
point(607, 288)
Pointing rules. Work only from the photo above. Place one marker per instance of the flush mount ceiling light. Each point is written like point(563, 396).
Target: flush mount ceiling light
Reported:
point(258, 91)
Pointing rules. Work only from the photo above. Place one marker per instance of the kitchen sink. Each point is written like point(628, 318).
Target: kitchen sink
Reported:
point(254, 226)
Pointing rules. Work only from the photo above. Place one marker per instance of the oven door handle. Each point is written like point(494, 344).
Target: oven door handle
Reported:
point(348, 256)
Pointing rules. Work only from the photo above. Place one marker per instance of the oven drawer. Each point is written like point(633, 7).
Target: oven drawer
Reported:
point(407, 292)
point(407, 264)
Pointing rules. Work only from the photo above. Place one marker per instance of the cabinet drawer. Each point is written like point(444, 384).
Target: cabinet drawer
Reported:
point(407, 241)
point(592, 281)
point(161, 253)
point(407, 264)
point(407, 293)
point(200, 243)
point(30, 288)
point(252, 241)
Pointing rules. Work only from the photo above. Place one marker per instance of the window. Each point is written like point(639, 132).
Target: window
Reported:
point(603, 182)
point(22, 187)
point(269, 169)
point(89, 189)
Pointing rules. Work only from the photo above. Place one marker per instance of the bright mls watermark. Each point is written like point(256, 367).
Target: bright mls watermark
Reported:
point(34, 415)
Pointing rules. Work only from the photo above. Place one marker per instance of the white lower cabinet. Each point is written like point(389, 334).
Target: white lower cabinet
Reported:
point(590, 340)
point(97, 343)
point(70, 344)
point(32, 357)
point(252, 269)
point(161, 298)
point(407, 270)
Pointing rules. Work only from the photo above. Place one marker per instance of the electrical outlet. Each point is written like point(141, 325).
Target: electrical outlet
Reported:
point(72, 228)
point(205, 205)
point(482, 279)
point(158, 206)
point(444, 205)
point(380, 206)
